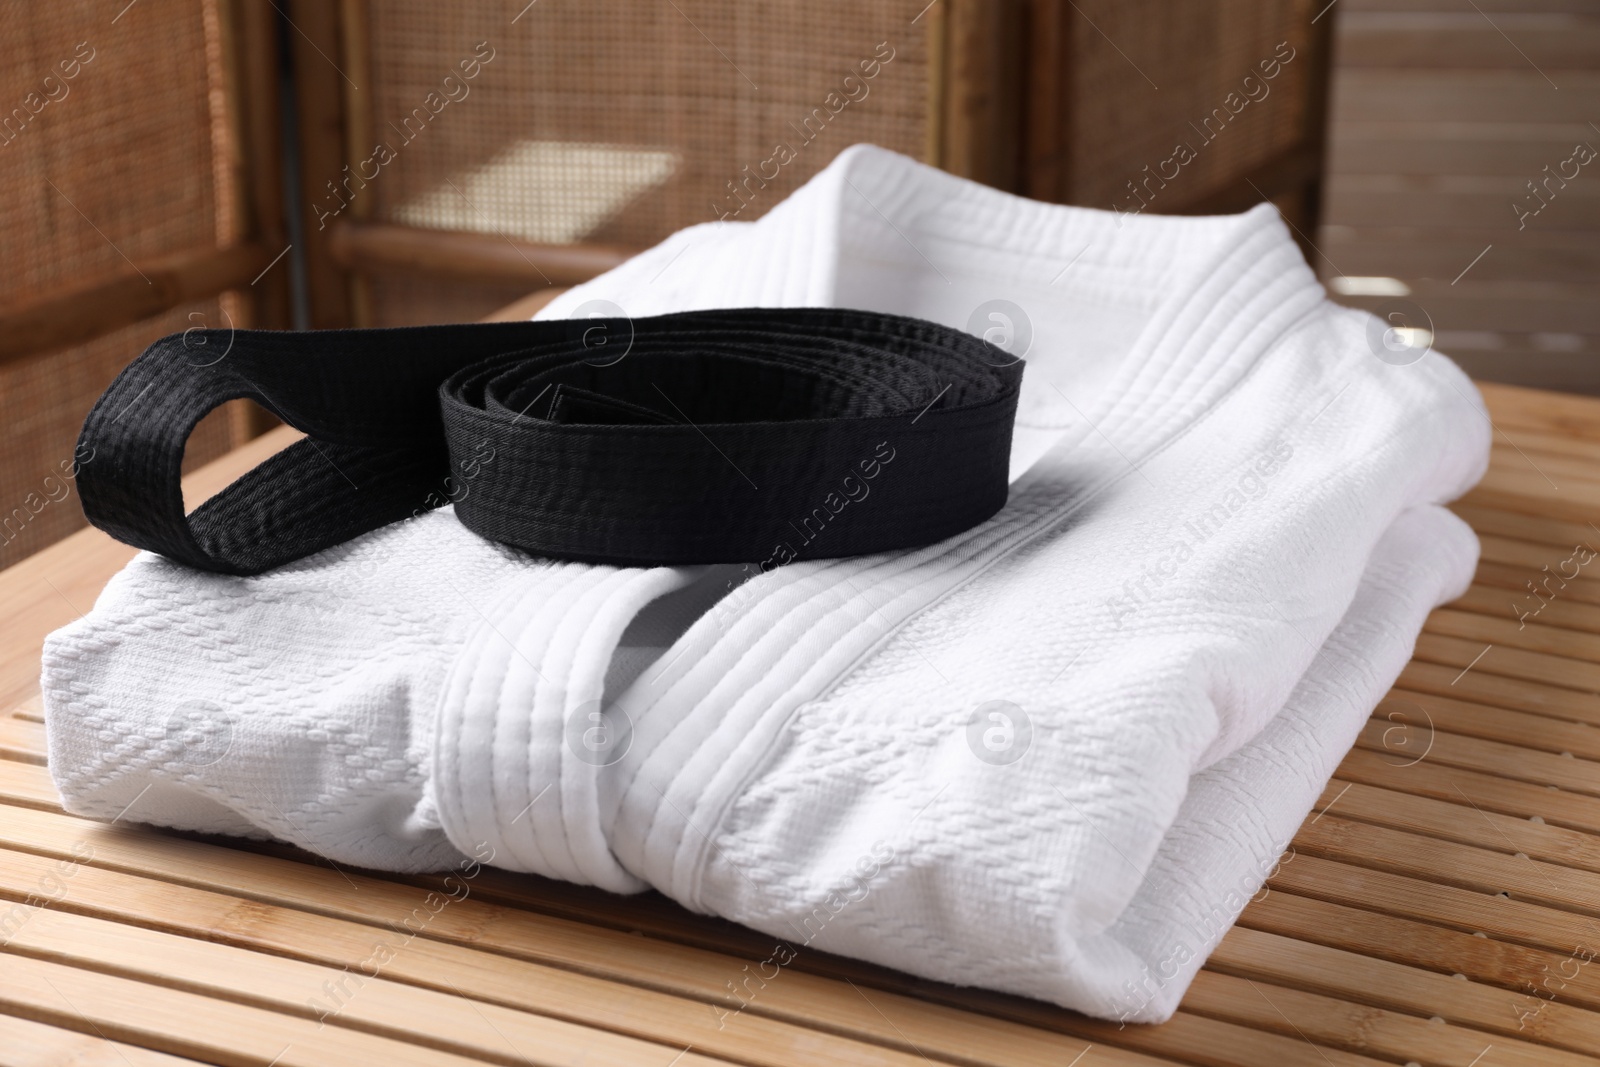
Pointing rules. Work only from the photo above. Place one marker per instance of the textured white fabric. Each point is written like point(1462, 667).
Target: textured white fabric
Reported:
point(1053, 756)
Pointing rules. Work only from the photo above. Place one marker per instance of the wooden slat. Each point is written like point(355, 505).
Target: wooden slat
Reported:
point(1563, 470)
point(1466, 202)
point(613, 956)
point(1493, 7)
point(1538, 732)
point(1522, 584)
point(21, 739)
point(525, 308)
point(1540, 443)
point(1387, 769)
point(1522, 694)
point(1426, 900)
point(187, 1024)
point(149, 289)
point(31, 1044)
point(1459, 817)
point(1465, 146)
point(1550, 532)
point(1511, 489)
point(1464, 38)
point(1423, 945)
point(1491, 757)
point(1332, 995)
point(1536, 559)
point(1189, 1038)
point(1451, 863)
point(443, 1018)
point(1470, 655)
point(1316, 1020)
point(801, 998)
point(28, 784)
point(1184, 1035)
point(1535, 365)
point(746, 1036)
point(1507, 95)
point(1516, 604)
point(1416, 252)
point(369, 247)
point(1534, 409)
point(1522, 632)
point(1511, 633)
point(176, 946)
point(1516, 307)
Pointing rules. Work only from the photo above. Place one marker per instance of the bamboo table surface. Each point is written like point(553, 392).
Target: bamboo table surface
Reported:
point(1440, 905)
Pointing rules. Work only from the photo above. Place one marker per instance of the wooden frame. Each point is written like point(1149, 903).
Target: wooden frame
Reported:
point(976, 89)
point(991, 118)
point(80, 315)
point(1000, 112)
point(1295, 174)
point(249, 32)
point(76, 316)
point(361, 248)
point(320, 89)
point(1046, 111)
point(1046, 117)
point(355, 39)
point(369, 247)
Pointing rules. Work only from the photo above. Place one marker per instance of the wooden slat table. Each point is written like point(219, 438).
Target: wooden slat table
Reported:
point(1441, 907)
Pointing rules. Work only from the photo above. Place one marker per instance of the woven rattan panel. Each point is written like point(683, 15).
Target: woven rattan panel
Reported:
point(1146, 80)
point(626, 121)
point(95, 177)
point(45, 400)
point(117, 163)
point(417, 300)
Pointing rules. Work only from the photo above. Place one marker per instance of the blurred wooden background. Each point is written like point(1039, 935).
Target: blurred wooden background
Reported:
point(1447, 116)
point(180, 163)
point(172, 164)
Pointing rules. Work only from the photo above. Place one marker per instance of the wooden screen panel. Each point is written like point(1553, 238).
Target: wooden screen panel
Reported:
point(614, 125)
point(117, 148)
point(626, 123)
point(1175, 108)
point(1446, 121)
point(120, 161)
point(417, 299)
point(45, 401)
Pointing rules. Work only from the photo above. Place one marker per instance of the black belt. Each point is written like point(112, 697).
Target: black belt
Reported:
point(754, 435)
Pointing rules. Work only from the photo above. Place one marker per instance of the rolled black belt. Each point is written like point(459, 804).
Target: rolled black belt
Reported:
point(755, 435)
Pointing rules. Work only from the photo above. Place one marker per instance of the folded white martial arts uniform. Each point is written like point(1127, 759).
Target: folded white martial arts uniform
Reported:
point(1054, 755)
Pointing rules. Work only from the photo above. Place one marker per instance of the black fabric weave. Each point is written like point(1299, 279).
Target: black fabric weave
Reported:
point(755, 435)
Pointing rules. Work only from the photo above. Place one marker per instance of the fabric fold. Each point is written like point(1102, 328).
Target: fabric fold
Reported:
point(1052, 755)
